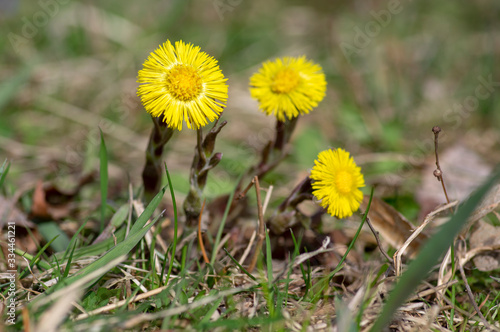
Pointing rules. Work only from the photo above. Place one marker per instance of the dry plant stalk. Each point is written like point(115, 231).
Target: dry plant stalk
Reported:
point(416, 233)
point(262, 228)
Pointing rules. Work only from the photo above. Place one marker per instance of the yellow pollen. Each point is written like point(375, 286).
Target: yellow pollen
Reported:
point(344, 182)
point(183, 82)
point(285, 81)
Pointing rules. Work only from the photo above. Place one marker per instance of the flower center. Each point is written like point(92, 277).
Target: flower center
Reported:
point(344, 182)
point(285, 81)
point(183, 82)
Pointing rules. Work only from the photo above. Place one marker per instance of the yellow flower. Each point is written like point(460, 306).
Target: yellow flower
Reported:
point(336, 184)
point(182, 83)
point(288, 87)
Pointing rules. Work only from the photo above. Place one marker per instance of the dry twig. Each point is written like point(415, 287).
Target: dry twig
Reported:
point(375, 233)
point(262, 227)
point(472, 300)
point(427, 220)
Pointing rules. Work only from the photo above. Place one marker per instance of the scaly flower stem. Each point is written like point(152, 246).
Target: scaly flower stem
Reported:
point(284, 130)
point(203, 161)
point(274, 152)
point(192, 204)
point(152, 172)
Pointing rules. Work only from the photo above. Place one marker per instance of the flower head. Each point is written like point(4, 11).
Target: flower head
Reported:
point(288, 87)
point(337, 180)
point(182, 83)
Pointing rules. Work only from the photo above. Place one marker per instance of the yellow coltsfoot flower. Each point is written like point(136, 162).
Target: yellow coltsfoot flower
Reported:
point(288, 87)
point(182, 83)
point(336, 184)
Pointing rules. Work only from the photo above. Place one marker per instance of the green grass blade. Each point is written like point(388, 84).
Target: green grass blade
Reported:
point(339, 265)
point(87, 279)
point(43, 264)
point(57, 270)
point(34, 260)
point(163, 267)
point(318, 288)
point(73, 241)
point(269, 261)
point(239, 265)
point(270, 289)
point(148, 212)
point(68, 264)
point(103, 166)
point(95, 249)
point(430, 254)
point(209, 313)
point(305, 276)
point(174, 244)
point(296, 252)
point(223, 222)
point(345, 317)
point(121, 249)
point(104, 263)
point(4, 169)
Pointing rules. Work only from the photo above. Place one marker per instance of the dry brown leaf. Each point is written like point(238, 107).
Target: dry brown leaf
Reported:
point(391, 224)
point(10, 213)
point(50, 202)
point(24, 239)
point(484, 235)
point(39, 207)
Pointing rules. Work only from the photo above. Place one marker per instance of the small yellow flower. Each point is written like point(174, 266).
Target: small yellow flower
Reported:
point(288, 87)
point(336, 184)
point(182, 83)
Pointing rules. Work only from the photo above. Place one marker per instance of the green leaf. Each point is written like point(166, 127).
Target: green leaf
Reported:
point(120, 216)
point(269, 261)
point(73, 243)
point(49, 230)
point(95, 249)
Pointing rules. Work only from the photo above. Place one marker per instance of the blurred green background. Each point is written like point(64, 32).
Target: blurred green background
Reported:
point(394, 70)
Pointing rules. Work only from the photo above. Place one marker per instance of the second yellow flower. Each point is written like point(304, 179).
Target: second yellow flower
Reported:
point(288, 87)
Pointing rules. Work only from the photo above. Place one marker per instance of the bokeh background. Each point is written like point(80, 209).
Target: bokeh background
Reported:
point(394, 70)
